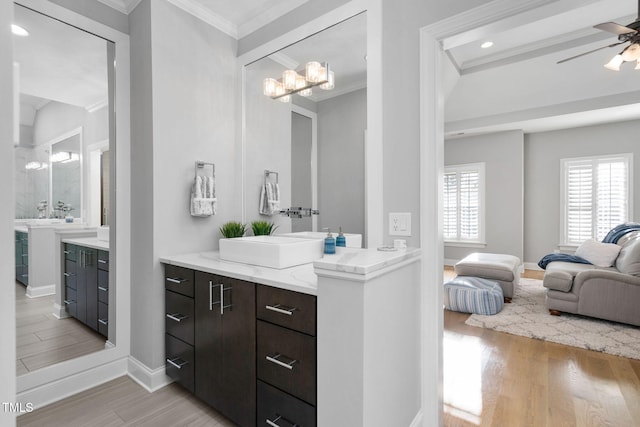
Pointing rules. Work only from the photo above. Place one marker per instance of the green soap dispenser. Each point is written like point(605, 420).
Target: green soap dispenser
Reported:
point(341, 240)
point(329, 244)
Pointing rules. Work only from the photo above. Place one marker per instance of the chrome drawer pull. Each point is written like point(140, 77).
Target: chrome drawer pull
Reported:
point(281, 309)
point(103, 289)
point(180, 363)
point(177, 280)
point(279, 417)
point(67, 252)
point(177, 317)
point(104, 322)
point(69, 301)
point(274, 359)
point(101, 261)
point(69, 274)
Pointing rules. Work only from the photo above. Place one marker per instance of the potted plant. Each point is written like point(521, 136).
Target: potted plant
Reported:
point(233, 229)
point(263, 228)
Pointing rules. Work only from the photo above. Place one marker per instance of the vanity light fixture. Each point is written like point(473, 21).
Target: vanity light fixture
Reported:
point(19, 31)
point(300, 82)
point(36, 166)
point(64, 157)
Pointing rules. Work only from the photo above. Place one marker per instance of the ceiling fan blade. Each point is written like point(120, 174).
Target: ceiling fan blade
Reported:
point(614, 28)
point(586, 53)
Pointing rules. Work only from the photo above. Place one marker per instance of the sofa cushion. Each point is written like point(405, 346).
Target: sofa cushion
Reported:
point(628, 261)
point(599, 254)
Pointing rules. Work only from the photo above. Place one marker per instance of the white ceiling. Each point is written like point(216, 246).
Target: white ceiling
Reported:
point(517, 83)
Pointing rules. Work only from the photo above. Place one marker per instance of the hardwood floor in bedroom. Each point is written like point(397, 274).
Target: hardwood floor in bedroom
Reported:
point(490, 379)
point(496, 379)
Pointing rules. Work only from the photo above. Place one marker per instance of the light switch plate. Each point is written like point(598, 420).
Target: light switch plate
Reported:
point(400, 224)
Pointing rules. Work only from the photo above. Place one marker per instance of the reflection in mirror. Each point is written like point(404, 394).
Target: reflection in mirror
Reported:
point(315, 141)
point(62, 260)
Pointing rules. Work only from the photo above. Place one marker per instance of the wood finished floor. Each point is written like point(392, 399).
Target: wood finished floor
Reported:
point(42, 340)
point(490, 379)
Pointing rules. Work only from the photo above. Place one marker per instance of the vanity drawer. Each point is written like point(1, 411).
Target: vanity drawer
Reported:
point(179, 362)
point(293, 310)
point(70, 274)
point(70, 301)
point(103, 286)
point(287, 360)
point(282, 409)
point(178, 279)
point(70, 252)
point(179, 317)
point(103, 260)
point(103, 318)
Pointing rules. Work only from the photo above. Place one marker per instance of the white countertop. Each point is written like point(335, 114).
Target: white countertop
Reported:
point(300, 278)
point(364, 261)
point(89, 242)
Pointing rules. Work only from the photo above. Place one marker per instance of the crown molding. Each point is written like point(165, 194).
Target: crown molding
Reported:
point(196, 9)
point(97, 105)
point(124, 6)
point(279, 9)
point(284, 60)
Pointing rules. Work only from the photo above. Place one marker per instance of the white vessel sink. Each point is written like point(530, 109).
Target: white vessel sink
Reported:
point(352, 240)
point(271, 251)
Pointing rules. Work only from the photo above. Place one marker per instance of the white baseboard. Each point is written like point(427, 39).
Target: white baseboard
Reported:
point(150, 379)
point(56, 390)
point(41, 291)
point(532, 266)
point(417, 420)
point(59, 311)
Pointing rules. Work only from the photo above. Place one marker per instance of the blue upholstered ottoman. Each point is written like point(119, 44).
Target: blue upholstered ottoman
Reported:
point(473, 295)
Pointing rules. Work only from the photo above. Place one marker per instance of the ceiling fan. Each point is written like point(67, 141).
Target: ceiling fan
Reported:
point(626, 34)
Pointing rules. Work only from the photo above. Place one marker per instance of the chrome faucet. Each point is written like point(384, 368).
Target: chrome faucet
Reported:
point(299, 212)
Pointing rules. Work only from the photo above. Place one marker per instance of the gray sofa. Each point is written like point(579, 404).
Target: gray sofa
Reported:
point(611, 293)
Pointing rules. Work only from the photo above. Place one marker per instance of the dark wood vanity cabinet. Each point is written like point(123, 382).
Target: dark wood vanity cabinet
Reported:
point(22, 257)
point(225, 336)
point(247, 350)
point(86, 286)
point(286, 357)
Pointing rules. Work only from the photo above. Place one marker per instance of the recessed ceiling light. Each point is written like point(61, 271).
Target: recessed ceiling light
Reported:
point(18, 30)
point(486, 45)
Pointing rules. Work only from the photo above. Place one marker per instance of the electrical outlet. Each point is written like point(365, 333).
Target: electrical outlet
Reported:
point(400, 224)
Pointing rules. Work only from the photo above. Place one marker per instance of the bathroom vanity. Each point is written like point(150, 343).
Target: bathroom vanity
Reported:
point(86, 282)
point(315, 344)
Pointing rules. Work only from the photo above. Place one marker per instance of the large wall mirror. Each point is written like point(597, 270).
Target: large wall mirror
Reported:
point(66, 86)
point(313, 142)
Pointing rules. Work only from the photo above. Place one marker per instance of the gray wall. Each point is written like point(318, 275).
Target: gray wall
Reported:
point(7, 265)
point(301, 144)
point(341, 124)
point(183, 110)
point(503, 154)
point(543, 152)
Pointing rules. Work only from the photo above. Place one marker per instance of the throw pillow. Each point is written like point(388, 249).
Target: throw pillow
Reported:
point(600, 254)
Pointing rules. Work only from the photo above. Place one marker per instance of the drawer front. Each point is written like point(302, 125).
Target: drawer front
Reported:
point(287, 360)
point(103, 260)
point(178, 279)
point(282, 409)
point(103, 286)
point(70, 301)
point(103, 319)
point(290, 309)
point(179, 362)
point(70, 252)
point(179, 317)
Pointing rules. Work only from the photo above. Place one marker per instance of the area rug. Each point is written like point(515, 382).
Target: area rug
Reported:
point(528, 316)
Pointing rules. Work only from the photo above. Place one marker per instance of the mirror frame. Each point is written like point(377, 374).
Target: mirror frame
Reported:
point(63, 379)
point(374, 212)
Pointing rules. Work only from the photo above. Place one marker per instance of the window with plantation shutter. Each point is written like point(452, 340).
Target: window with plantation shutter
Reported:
point(463, 215)
point(596, 196)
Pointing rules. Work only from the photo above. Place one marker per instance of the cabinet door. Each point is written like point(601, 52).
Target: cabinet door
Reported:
point(87, 287)
point(225, 346)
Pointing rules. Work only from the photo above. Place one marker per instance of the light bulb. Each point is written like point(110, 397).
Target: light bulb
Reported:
point(269, 86)
point(330, 84)
point(289, 78)
point(615, 63)
point(300, 82)
point(312, 71)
